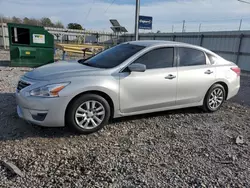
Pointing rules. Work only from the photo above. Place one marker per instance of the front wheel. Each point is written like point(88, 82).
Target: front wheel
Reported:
point(88, 113)
point(214, 98)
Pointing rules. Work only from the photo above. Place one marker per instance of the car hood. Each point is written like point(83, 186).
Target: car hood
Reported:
point(61, 69)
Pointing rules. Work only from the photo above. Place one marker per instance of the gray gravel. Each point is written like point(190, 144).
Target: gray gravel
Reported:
point(182, 148)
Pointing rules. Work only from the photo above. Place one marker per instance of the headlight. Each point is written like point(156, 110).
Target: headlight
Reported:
point(48, 90)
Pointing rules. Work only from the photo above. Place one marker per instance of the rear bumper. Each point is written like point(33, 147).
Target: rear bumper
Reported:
point(233, 92)
point(48, 112)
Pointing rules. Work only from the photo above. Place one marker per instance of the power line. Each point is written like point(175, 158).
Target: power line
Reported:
point(244, 1)
point(209, 21)
point(44, 3)
point(109, 6)
point(89, 11)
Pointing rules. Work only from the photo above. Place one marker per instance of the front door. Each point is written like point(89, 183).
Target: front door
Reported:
point(153, 89)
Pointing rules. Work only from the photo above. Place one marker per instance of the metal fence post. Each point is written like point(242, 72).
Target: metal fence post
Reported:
point(97, 38)
point(63, 55)
point(201, 41)
point(239, 48)
point(124, 40)
point(3, 36)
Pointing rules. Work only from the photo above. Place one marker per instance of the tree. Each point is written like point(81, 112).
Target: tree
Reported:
point(46, 22)
point(31, 21)
point(16, 20)
point(158, 31)
point(34, 21)
point(26, 20)
point(59, 24)
point(6, 19)
point(74, 26)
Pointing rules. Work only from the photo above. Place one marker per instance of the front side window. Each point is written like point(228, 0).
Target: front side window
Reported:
point(191, 57)
point(157, 58)
point(114, 56)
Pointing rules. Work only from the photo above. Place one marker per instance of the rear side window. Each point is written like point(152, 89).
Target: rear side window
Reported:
point(191, 57)
point(157, 58)
point(211, 58)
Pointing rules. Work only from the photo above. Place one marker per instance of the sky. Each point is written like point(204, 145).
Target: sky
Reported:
point(167, 15)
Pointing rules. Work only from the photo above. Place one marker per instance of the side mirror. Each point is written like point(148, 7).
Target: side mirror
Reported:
point(137, 67)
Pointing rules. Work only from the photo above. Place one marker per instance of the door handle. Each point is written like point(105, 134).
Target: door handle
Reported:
point(170, 77)
point(208, 72)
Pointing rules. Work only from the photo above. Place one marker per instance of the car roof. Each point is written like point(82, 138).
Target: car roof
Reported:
point(153, 42)
point(149, 43)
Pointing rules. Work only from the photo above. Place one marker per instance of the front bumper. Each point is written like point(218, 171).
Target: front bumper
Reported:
point(48, 112)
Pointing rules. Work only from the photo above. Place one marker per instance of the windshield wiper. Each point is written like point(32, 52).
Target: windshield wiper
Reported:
point(91, 64)
point(84, 63)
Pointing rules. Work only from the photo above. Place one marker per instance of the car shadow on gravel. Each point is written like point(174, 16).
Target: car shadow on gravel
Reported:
point(4, 63)
point(14, 128)
point(183, 111)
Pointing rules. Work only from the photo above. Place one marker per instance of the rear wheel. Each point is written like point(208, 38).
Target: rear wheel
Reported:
point(88, 113)
point(214, 98)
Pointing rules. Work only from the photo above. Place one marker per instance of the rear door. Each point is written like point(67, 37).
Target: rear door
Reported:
point(195, 75)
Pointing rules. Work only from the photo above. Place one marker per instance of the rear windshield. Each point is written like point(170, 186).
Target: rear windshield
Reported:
point(114, 56)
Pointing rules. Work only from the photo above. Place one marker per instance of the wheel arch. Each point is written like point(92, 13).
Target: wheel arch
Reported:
point(225, 87)
point(97, 92)
point(224, 84)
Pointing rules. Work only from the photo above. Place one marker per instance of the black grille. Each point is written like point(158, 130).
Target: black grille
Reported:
point(21, 85)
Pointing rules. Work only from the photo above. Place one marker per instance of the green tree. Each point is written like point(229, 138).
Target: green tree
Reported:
point(26, 20)
point(46, 22)
point(6, 19)
point(59, 24)
point(16, 20)
point(74, 26)
point(31, 21)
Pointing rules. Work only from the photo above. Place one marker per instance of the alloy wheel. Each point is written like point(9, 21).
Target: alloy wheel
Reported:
point(216, 98)
point(90, 114)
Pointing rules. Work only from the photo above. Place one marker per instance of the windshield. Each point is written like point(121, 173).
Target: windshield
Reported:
point(114, 56)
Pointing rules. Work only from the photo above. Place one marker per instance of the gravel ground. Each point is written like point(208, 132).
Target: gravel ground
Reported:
point(182, 148)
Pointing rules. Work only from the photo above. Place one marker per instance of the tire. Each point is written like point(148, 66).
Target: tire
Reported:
point(90, 108)
point(214, 98)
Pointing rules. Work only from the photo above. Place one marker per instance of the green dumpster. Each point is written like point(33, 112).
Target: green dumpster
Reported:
point(30, 46)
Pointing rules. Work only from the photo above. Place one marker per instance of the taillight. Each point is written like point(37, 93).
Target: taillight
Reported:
point(236, 70)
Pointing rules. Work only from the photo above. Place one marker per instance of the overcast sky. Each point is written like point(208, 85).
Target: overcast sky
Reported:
point(95, 14)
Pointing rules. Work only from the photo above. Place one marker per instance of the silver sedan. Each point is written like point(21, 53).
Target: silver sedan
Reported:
point(131, 78)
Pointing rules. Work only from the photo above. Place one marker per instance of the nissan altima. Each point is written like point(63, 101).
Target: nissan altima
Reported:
point(131, 78)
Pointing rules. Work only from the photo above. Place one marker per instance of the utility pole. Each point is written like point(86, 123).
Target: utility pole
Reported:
point(200, 28)
point(240, 24)
point(183, 26)
point(172, 28)
point(137, 12)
